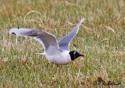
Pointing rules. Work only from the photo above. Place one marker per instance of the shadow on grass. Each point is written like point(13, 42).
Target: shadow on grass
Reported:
point(100, 81)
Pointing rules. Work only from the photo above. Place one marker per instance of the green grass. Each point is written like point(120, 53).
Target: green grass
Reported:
point(101, 39)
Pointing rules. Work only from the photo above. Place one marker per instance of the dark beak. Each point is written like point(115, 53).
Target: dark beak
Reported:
point(82, 55)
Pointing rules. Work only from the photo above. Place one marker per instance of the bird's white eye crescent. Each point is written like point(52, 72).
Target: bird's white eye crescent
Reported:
point(74, 53)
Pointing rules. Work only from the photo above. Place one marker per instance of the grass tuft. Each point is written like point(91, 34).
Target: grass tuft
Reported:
point(101, 39)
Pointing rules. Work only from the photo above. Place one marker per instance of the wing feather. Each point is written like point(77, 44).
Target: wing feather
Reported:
point(65, 41)
point(46, 39)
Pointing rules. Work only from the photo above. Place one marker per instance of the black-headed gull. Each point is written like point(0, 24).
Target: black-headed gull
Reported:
point(56, 53)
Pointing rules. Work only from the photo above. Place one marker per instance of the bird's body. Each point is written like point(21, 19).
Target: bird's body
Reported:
point(56, 53)
point(61, 58)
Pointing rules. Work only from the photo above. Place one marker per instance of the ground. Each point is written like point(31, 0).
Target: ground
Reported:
point(101, 39)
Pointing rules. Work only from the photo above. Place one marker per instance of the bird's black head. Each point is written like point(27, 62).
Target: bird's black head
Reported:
point(75, 54)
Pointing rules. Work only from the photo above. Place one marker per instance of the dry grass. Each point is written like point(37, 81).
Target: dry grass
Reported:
point(101, 38)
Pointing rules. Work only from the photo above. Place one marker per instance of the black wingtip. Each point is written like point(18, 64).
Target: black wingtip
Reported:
point(13, 33)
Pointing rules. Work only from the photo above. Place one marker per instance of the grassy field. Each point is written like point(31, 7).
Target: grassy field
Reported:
point(101, 39)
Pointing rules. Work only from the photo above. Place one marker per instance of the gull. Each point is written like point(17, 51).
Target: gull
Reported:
point(55, 52)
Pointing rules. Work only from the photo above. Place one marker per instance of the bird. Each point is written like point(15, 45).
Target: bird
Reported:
point(55, 52)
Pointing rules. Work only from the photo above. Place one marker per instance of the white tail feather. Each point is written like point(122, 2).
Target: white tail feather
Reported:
point(41, 54)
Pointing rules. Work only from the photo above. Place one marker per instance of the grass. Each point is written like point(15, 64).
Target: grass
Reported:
point(101, 39)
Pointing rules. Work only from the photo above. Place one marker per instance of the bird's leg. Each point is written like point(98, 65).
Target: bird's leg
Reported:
point(57, 70)
point(47, 65)
point(62, 69)
point(57, 65)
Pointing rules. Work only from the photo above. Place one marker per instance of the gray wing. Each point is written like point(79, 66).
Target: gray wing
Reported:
point(65, 41)
point(47, 40)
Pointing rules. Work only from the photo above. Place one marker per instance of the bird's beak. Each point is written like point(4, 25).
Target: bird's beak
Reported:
point(82, 55)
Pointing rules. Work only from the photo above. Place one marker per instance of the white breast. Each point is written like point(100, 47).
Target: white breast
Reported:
point(60, 58)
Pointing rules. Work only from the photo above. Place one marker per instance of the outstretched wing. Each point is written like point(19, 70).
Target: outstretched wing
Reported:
point(47, 40)
point(65, 41)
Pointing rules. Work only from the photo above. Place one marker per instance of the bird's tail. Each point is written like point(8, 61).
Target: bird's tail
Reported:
point(41, 54)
